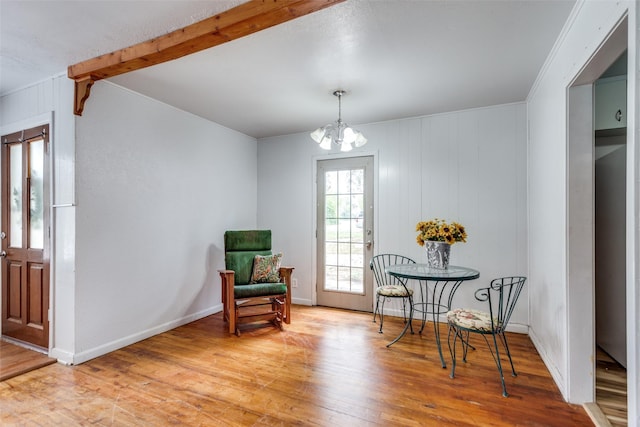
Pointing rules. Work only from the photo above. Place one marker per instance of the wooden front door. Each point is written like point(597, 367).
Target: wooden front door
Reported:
point(25, 236)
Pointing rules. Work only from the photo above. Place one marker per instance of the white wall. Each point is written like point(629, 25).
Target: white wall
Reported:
point(156, 189)
point(552, 320)
point(467, 166)
point(46, 101)
point(633, 218)
point(610, 250)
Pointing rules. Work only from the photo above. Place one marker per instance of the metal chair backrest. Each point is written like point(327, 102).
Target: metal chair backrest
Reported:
point(379, 262)
point(501, 296)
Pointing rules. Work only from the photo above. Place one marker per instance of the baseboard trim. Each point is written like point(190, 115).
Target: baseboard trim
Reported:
point(551, 367)
point(518, 328)
point(77, 358)
point(62, 356)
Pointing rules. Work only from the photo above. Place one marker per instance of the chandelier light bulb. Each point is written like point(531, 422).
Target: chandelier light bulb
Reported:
point(339, 133)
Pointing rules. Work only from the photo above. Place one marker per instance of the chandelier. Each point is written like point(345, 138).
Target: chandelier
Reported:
point(338, 133)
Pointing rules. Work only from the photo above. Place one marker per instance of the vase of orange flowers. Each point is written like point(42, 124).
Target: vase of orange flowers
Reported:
point(437, 236)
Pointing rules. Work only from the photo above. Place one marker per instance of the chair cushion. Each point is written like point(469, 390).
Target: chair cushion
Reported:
point(259, 289)
point(242, 263)
point(393, 291)
point(474, 320)
point(247, 240)
point(266, 268)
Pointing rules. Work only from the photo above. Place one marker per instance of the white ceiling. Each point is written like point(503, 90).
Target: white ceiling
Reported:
point(395, 58)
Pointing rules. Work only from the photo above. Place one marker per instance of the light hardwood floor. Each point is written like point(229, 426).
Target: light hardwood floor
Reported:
point(611, 389)
point(328, 368)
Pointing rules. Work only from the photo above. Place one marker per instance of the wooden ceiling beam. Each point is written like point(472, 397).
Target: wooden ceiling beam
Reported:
point(240, 21)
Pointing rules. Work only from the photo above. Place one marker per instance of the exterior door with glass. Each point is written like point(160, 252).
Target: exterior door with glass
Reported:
point(345, 233)
point(25, 237)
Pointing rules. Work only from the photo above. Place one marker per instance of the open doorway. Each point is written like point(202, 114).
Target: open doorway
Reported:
point(610, 158)
point(595, 180)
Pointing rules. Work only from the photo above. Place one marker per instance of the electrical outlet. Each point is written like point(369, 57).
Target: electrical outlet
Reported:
point(294, 283)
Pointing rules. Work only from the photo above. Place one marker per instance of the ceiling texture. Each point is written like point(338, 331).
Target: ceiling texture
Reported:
point(395, 58)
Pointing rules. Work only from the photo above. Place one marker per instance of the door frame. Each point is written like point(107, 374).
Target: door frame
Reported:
point(580, 321)
point(41, 120)
point(314, 222)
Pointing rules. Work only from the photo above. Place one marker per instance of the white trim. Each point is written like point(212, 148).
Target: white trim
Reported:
point(556, 46)
point(633, 216)
point(579, 386)
point(548, 361)
point(61, 356)
point(302, 301)
point(92, 353)
point(580, 246)
point(41, 119)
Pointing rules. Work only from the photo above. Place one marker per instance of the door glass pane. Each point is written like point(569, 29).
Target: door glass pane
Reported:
point(344, 230)
point(331, 207)
point(357, 181)
point(331, 278)
point(331, 182)
point(344, 258)
point(36, 196)
point(15, 187)
point(357, 217)
point(344, 236)
point(344, 279)
point(357, 281)
point(331, 253)
point(357, 253)
point(344, 182)
point(344, 206)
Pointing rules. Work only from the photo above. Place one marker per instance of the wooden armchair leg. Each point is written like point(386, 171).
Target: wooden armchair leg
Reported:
point(279, 308)
point(285, 274)
point(230, 312)
point(233, 321)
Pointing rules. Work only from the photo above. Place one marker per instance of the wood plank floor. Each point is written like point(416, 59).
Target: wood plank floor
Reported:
point(328, 368)
point(611, 389)
point(16, 360)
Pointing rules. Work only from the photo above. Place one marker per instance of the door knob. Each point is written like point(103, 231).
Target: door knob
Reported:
point(3, 254)
point(369, 244)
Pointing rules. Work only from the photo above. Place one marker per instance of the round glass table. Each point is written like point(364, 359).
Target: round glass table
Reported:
point(437, 287)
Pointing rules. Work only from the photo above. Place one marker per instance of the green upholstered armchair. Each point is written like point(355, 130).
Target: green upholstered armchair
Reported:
point(254, 285)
